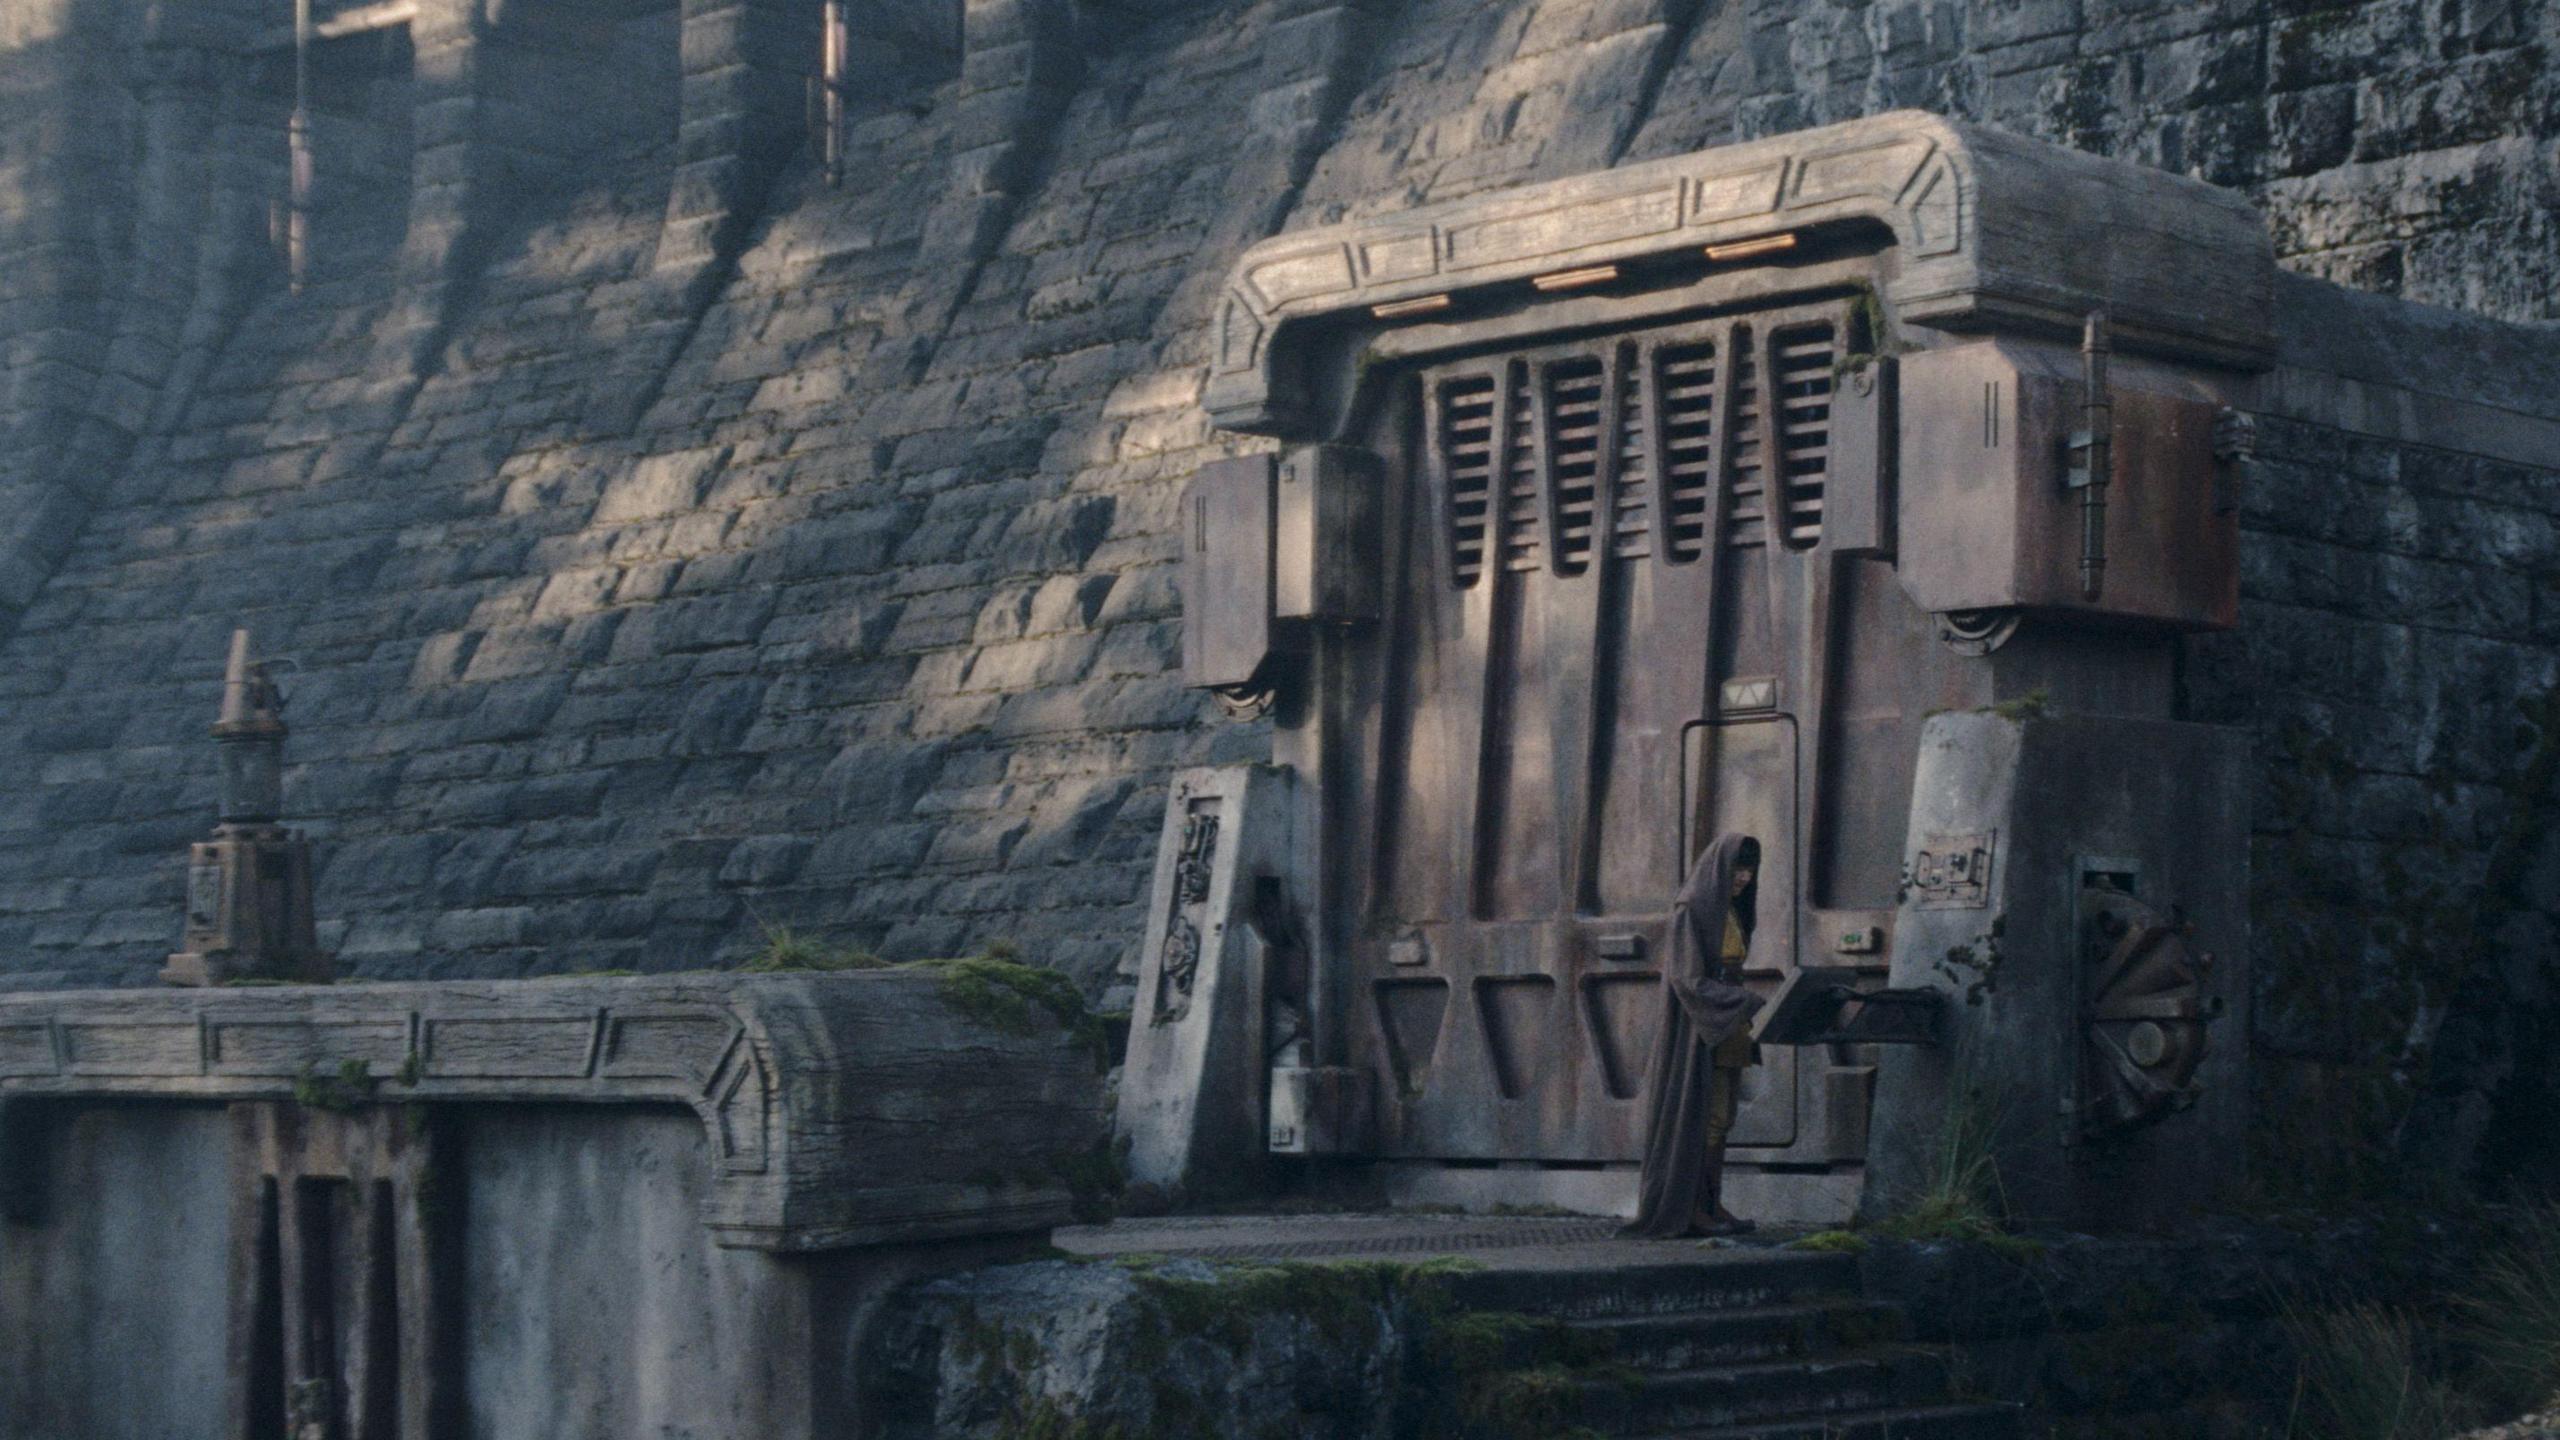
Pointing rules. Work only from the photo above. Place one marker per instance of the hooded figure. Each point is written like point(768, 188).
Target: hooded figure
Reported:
point(1702, 1006)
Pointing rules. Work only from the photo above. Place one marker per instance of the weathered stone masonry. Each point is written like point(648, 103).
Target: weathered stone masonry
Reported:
point(673, 546)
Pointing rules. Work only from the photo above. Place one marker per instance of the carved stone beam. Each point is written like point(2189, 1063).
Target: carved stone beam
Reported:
point(1992, 232)
point(866, 1108)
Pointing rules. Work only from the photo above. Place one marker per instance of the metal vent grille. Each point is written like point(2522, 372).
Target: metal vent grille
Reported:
point(1804, 358)
point(1631, 524)
point(1685, 387)
point(1466, 435)
point(1640, 447)
point(1571, 430)
point(1746, 514)
point(1520, 476)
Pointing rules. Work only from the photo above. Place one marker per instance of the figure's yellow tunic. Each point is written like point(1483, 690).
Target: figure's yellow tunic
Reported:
point(1733, 1052)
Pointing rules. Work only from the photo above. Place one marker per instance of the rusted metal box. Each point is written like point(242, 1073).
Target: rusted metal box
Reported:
point(1987, 521)
point(1227, 630)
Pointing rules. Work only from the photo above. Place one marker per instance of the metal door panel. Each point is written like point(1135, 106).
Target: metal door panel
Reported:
point(1581, 565)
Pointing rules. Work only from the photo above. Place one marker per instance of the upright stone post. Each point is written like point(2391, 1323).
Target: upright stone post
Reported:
point(746, 70)
point(249, 887)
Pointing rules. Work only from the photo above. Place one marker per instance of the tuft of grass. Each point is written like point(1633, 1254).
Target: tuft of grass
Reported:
point(1831, 1242)
point(1965, 1199)
point(2510, 1315)
point(787, 950)
point(2363, 1375)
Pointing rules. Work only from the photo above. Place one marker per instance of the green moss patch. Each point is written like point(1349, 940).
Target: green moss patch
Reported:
point(349, 1087)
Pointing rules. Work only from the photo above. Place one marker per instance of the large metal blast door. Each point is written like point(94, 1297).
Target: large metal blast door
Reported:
point(1579, 688)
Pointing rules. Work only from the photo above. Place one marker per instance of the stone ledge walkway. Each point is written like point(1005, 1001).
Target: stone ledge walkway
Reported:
point(1500, 1242)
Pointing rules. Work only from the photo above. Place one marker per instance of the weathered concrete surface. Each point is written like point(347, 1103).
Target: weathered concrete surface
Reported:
point(594, 1304)
point(117, 1321)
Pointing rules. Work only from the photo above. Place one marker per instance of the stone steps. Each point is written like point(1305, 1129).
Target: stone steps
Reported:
point(1841, 1384)
point(1919, 1422)
point(1732, 1337)
point(1770, 1345)
point(1741, 1282)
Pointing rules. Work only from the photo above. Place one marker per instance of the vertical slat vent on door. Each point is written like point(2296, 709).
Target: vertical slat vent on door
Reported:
point(1637, 448)
point(1804, 357)
point(1685, 379)
point(1746, 515)
point(1571, 426)
point(1520, 497)
point(1465, 426)
point(1631, 529)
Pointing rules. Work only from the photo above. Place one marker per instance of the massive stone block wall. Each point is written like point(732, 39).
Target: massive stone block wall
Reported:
point(673, 548)
point(2399, 660)
point(2404, 147)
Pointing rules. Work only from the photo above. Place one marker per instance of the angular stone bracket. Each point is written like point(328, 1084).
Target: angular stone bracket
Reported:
point(841, 1109)
point(1993, 231)
point(1191, 1095)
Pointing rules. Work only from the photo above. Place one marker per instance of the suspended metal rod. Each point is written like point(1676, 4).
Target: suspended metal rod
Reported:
point(297, 235)
point(826, 115)
point(2092, 454)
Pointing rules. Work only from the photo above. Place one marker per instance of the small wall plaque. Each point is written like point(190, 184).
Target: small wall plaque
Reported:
point(1953, 872)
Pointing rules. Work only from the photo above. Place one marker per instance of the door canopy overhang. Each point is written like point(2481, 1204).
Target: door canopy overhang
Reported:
point(1990, 232)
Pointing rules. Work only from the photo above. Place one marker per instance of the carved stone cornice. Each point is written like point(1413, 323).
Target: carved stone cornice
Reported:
point(1993, 232)
point(840, 1109)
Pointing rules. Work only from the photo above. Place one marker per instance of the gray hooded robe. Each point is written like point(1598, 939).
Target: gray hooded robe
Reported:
point(1699, 1008)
